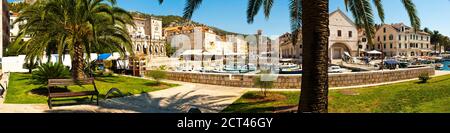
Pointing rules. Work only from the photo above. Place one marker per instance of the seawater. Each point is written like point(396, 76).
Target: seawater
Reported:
point(446, 65)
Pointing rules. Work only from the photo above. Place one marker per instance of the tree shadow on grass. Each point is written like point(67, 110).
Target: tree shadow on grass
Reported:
point(238, 107)
point(153, 83)
point(43, 91)
point(421, 82)
point(108, 79)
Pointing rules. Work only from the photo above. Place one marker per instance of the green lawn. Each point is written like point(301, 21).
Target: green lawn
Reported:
point(407, 97)
point(21, 89)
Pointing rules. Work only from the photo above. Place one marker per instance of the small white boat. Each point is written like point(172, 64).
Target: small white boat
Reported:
point(439, 66)
point(335, 69)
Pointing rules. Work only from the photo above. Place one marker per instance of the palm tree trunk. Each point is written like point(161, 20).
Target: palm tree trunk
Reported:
point(314, 89)
point(435, 49)
point(439, 48)
point(78, 62)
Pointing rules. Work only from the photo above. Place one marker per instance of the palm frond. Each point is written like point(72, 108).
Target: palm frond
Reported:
point(412, 13)
point(252, 9)
point(191, 6)
point(380, 9)
point(295, 8)
point(363, 14)
point(267, 8)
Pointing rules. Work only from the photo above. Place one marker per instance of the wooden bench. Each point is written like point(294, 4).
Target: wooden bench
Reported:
point(52, 83)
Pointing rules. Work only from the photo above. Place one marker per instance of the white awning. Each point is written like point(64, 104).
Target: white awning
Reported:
point(114, 56)
point(374, 52)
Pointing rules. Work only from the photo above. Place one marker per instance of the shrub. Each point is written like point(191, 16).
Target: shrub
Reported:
point(163, 67)
point(157, 75)
point(424, 77)
point(263, 84)
point(50, 71)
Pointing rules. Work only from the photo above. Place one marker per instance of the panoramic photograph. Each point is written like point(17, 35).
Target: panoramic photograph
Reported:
point(225, 56)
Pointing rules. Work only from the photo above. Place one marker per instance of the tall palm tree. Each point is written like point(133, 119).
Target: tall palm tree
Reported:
point(313, 17)
point(435, 38)
point(75, 27)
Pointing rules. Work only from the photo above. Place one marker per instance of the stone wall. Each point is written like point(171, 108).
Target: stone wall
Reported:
point(293, 81)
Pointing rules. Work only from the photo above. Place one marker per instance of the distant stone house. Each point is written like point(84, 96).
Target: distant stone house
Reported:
point(401, 40)
point(288, 50)
point(343, 40)
point(147, 37)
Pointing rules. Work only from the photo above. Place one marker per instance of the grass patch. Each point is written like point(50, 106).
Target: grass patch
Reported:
point(406, 97)
point(22, 90)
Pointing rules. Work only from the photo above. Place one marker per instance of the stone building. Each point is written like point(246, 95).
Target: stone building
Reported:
point(288, 50)
point(345, 39)
point(401, 40)
point(195, 41)
point(147, 37)
point(148, 44)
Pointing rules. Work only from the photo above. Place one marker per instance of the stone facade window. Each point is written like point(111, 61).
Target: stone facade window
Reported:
point(339, 33)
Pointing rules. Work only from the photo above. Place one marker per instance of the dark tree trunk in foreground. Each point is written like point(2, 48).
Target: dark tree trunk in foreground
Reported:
point(314, 90)
point(78, 62)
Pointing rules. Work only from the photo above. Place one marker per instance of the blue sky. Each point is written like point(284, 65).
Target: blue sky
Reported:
point(231, 14)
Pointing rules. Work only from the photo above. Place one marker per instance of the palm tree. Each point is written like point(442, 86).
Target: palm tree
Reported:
point(435, 39)
point(443, 42)
point(75, 27)
point(313, 17)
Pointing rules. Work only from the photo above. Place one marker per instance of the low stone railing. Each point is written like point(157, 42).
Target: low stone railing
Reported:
point(293, 81)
